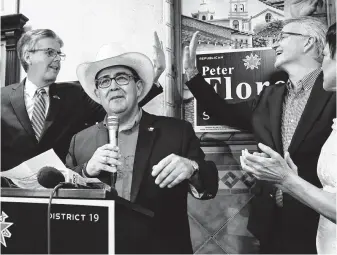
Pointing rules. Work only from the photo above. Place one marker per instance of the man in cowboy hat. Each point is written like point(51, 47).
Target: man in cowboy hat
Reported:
point(158, 159)
point(38, 114)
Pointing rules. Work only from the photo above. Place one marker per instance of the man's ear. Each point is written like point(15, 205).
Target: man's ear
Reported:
point(26, 57)
point(309, 44)
point(139, 87)
point(98, 95)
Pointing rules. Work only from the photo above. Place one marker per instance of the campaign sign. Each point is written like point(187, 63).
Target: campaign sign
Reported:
point(237, 76)
point(77, 226)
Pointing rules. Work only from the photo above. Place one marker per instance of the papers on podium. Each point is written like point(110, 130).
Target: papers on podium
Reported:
point(25, 174)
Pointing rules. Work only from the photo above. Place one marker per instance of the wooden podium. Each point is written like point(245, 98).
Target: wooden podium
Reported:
point(82, 222)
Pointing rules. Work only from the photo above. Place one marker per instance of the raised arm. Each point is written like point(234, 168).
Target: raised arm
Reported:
point(236, 115)
point(159, 65)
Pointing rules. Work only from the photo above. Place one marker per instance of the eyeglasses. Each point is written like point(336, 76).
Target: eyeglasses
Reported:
point(51, 53)
point(280, 36)
point(121, 80)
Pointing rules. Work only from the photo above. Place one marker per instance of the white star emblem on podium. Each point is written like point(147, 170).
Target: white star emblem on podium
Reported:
point(4, 228)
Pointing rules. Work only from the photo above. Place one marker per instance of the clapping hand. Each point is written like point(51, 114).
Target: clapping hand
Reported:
point(268, 165)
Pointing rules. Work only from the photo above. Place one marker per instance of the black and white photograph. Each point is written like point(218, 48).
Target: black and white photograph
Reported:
point(168, 127)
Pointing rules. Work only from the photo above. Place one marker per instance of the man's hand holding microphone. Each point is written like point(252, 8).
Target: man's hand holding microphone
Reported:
point(105, 158)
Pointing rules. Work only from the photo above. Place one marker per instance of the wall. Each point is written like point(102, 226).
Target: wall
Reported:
point(219, 226)
point(8, 6)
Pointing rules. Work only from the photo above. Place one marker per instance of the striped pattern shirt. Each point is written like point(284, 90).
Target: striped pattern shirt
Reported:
point(293, 105)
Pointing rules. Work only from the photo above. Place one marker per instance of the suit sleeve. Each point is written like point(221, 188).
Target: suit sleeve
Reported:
point(93, 112)
point(71, 162)
point(155, 91)
point(236, 115)
point(206, 181)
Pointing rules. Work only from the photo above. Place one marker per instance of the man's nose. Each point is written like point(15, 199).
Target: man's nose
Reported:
point(114, 85)
point(57, 58)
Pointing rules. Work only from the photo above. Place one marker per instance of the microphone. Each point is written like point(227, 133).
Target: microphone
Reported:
point(113, 125)
point(49, 177)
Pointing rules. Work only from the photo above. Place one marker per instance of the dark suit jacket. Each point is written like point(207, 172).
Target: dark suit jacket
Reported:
point(70, 111)
point(170, 230)
point(262, 116)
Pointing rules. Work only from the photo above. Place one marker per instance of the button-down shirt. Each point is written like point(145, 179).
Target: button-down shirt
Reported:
point(293, 105)
point(30, 96)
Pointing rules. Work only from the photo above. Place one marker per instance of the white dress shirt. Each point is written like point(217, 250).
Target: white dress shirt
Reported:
point(30, 96)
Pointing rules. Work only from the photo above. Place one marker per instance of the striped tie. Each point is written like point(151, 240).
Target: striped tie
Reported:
point(279, 198)
point(39, 112)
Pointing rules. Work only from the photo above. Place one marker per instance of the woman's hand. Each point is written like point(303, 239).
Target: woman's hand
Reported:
point(268, 165)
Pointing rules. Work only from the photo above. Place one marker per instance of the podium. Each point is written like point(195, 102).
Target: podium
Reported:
point(87, 221)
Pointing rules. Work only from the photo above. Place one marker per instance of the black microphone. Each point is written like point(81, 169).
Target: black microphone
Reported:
point(49, 177)
point(113, 125)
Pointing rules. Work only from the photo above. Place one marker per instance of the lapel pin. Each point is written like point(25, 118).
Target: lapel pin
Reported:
point(150, 129)
point(56, 97)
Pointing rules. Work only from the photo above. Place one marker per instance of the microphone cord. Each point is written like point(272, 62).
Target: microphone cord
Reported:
point(48, 213)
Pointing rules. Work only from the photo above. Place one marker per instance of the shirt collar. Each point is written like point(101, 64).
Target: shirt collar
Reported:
point(31, 88)
point(131, 124)
point(306, 83)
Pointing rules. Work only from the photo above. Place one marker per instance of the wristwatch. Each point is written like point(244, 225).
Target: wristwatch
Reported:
point(195, 167)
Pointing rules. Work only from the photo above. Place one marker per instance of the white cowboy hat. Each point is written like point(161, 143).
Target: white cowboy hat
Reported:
point(114, 54)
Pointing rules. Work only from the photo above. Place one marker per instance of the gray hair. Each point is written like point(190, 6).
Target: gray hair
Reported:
point(315, 28)
point(29, 39)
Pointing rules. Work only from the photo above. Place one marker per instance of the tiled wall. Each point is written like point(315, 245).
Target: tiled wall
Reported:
point(219, 226)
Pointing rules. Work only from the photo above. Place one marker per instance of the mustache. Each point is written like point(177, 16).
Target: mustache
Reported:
point(115, 93)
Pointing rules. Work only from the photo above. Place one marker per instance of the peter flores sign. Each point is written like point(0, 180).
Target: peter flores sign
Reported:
point(236, 75)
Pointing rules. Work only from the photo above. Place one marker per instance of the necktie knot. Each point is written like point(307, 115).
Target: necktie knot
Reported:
point(41, 91)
